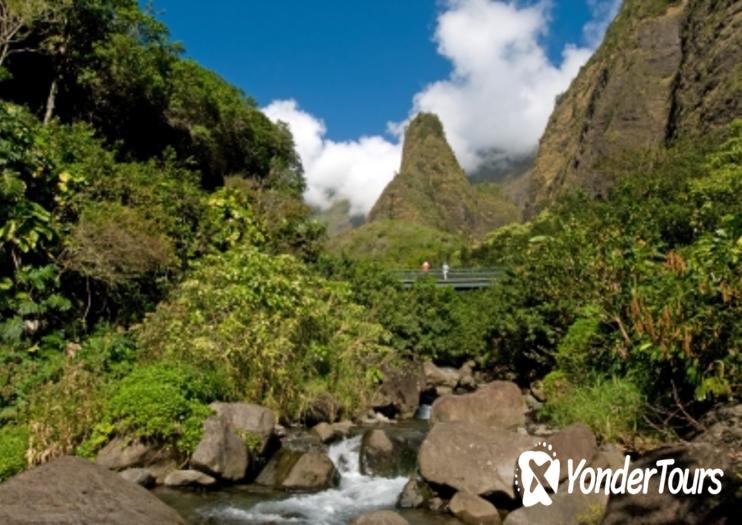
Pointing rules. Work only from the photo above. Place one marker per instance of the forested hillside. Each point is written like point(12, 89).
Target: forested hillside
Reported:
point(144, 202)
point(430, 209)
point(667, 70)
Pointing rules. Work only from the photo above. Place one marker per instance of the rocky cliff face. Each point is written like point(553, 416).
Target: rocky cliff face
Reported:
point(666, 70)
point(432, 190)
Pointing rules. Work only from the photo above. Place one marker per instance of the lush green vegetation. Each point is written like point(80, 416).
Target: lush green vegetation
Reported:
point(645, 285)
point(611, 406)
point(396, 244)
point(631, 302)
point(13, 444)
point(279, 332)
point(432, 191)
point(106, 213)
point(154, 261)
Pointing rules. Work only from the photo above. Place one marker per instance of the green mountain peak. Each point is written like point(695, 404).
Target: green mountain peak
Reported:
point(431, 189)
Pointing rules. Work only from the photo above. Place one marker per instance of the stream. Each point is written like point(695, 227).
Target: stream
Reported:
point(256, 505)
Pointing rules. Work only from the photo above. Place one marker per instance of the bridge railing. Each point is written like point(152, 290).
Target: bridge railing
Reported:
point(459, 277)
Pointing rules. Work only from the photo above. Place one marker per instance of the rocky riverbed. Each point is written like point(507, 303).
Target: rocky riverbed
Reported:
point(456, 463)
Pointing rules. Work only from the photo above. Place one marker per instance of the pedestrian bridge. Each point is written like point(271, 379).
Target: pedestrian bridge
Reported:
point(458, 279)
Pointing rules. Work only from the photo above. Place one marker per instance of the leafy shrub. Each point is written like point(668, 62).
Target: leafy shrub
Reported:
point(425, 321)
point(642, 285)
point(227, 132)
point(116, 246)
point(163, 401)
point(585, 346)
point(610, 406)
point(13, 444)
point(108, 351)
point(228, 221)
point(396, 243)
point(61, 414)
point(22, 372)
point(278, 331)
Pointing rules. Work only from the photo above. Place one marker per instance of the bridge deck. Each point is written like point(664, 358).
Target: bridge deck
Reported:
point(459, 279)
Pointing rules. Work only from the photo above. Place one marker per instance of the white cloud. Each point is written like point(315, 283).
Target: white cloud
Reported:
point(355, 170)
point(498, 97)
point(503, 86)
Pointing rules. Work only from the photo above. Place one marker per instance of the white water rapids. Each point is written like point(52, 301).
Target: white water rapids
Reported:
point(354, 495)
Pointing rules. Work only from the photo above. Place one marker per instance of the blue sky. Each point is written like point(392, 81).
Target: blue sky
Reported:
point(347, 75)
point(355, 63)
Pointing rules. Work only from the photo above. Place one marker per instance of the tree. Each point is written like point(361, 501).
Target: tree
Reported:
point(16, 20)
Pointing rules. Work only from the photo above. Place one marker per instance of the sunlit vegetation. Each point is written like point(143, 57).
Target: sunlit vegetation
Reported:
point(156, 260)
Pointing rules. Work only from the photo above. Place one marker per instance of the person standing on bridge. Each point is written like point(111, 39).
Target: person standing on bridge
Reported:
point(426, 267)
point(445, 269)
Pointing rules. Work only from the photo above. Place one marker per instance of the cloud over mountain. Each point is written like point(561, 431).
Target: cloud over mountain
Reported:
point(355, 170)
point(498, 97)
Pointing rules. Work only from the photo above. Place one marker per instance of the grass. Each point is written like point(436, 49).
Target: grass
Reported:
point(611, 407)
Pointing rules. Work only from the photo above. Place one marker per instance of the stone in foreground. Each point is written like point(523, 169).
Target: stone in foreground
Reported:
point(188, 478)
point(575, 442)
point(140, 476)
point(414, 495)
point(379, 456)
point(220, 452)
point(654, 508)
point(382, 517)
point(300, 471)
point(248, 418)
point(473, 510)
point(565, 509)
point(72, 490)
point(496, 404)
point(472, 457)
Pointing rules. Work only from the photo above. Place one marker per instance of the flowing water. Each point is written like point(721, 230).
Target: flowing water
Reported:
point(251, 505)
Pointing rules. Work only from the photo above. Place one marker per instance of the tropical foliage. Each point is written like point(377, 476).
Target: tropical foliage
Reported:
point(156, 260)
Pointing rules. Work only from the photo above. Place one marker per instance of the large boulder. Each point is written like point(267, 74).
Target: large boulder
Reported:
point(565, 509)
point(655, 508)
point(472, 457)
point(188, 478)
point(379, 456)
point(380, 517)
point(120, 454)
point(324, 408)
point(414, 494)
point(575, 442)
point(251, 422)
point(473, 510)
point(325, 432)
point(496, 404)
point(72, 490)
point(300, 471)
point(140, 476)
point(436, 376)
point(723, 431)
point(399, 393)
point(220, 452)
point(387, 454)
